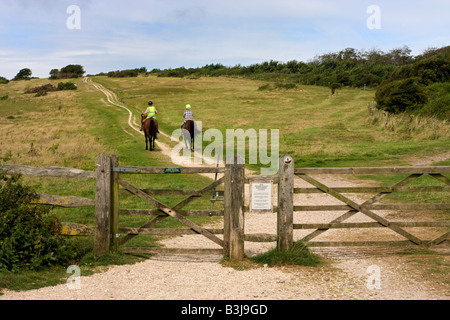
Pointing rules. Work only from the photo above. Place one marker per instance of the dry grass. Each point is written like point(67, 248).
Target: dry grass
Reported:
point(410, 125)
point(47, 130)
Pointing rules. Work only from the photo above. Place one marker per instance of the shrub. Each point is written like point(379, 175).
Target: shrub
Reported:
point(438, 104)
point(66, 86)
point(29, 236)
point(3, 80)
point(401, 95)
point(41, 90)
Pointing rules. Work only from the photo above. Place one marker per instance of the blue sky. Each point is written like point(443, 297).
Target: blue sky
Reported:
point(116, 35)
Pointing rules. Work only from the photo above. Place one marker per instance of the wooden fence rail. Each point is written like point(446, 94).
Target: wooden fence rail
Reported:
point(68, 229)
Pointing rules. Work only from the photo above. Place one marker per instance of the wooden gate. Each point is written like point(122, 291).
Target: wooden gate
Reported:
point(108, 175)
point(287, 206)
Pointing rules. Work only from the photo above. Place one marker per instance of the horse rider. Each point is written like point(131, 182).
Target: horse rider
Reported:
point(187, 115)
point(151, 113)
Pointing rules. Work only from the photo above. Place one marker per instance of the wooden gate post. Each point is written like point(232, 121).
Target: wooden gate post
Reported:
point(285, 215)
point(234, 208)
point(114, 204)
point(103, 193)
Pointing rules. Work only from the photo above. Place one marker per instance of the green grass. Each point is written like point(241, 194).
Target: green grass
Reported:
point(299, 255)
point(316, 128)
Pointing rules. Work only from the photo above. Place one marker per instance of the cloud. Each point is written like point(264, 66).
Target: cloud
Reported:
point(169, 34)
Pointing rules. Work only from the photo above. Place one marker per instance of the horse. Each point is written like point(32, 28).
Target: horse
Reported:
point(150, 131)
point(189, 134)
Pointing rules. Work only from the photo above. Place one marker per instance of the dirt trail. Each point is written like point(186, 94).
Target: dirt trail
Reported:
point(192, 277)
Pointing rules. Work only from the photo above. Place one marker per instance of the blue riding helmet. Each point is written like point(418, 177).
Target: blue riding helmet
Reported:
point(150, 103)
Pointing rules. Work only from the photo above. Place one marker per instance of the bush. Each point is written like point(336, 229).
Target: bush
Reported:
point(401, 95)
point(41, 90)
point(66, 86)
point(438, 104)
point(29, 236)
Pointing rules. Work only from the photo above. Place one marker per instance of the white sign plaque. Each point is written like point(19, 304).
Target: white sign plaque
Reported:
point(261, 196)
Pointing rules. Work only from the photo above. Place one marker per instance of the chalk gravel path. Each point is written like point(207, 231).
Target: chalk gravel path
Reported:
point(348, 274)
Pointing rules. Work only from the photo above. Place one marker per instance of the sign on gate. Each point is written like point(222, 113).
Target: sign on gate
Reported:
point(261, 194)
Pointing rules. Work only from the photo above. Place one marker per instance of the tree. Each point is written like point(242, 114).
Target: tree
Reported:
point(24, 74)
point(68, 72)
point(54, 74)
point(74, 68)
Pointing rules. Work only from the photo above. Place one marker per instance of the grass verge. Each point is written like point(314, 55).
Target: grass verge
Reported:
point(298, 255)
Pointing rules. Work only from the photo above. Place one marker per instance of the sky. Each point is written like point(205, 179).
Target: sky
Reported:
point(105, 36)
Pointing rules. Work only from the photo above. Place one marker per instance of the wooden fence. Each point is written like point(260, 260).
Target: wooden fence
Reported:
point(287, 207)
point(108, 179)
point(68, 229)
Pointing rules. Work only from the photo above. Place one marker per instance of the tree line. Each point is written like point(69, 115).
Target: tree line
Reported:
point(403, 82)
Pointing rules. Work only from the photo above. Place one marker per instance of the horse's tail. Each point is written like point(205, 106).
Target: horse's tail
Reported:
point(153, 128)
point(192, 129)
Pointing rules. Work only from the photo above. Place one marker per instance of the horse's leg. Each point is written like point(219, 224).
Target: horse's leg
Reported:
point(146, 143)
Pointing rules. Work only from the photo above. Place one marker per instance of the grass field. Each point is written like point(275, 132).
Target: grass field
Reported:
point(317, 128)
point(71, 128)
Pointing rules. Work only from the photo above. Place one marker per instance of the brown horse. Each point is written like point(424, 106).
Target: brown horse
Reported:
point(189, 134)
point(150, 127)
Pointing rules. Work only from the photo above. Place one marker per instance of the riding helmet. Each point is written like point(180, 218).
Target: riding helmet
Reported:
point(150, 103)
point(188, 106)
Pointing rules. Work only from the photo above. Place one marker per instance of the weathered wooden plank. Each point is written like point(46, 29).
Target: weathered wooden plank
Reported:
point(285, 213)
point(194, 193)
point(102, 204)
point(157, 212)
point(261, 237)
point(442, 178)
point(377, 189)
point(156, 250)
point(234, 208)
point(75, 229)
point(376, 170)
point(170, 212)
point(369, 225)
point(63, 172)
point(164, 231)
point(444, 237)
point(65, 201)
point(114, 221)
point(357, 243)
point(393, 206)
point(162, 170)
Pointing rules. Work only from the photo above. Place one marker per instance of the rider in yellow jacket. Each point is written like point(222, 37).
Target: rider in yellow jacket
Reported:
point(151, 112)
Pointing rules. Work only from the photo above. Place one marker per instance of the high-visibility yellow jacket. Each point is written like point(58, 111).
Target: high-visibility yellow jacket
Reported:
point(151, 112)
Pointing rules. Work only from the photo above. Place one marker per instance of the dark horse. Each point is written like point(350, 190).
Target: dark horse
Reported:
point(150, 131)
point(189, 134)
